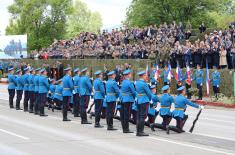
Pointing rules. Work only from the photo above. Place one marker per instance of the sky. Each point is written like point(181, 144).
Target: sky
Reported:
point(113, 12)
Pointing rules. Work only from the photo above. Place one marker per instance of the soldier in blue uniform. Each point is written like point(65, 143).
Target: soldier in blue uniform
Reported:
point(85, 93)
point(76, 97)
point(43, 90)
point(36, 90)
point(99, 95)
point(19, 88)
point(112, 94)
point(134, 112)
point(51, 94)
point(164, 76)
point(31, 90)
point(67, 92)
point(26, 88)
point(181, 103)
point(166, 101)
point(58, 98)
point(11, 86)
point(144, 96)
point(128, 95)
point(199, 74)
point(216, 81)
point(152, 112)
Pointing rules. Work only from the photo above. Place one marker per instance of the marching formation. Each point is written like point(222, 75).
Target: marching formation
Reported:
point(136, 101)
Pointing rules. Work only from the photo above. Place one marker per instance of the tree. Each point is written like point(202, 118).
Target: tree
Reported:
point(41, 20)
point(82, 19)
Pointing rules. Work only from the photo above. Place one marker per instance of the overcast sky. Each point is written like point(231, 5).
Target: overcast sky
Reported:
point(112, 11)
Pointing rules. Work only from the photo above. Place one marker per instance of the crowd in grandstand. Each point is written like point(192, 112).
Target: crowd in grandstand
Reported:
point(167, 42)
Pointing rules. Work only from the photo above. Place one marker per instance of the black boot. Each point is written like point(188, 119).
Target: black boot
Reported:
point(126, 128)
point(65, 118)
point(110, 124)
point(84, 118)
point(141, 130)
point(36, 109)
point(152, 126)
point(25, 107)
point(168, 129)
point(42, 113)
point(97, 125)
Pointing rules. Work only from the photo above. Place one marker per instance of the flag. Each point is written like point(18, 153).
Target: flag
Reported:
point(207, 80)
point(169, 76)
point(188, 75)
point(157, 73)
point(178, 73)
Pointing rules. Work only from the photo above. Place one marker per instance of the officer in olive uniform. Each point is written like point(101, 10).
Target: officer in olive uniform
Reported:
point(128, 95)
point(19, 88)
point(67, 92)
point(85, 93)
point(11, 86)
point(181, 103)
point(36, 91)
point(216, 81)
point(199, 74)
point(31, 90)
point(144, 96)
point(99, 95)
point(112, 94)
point(26, 88)
point(43, 90)
point(76, 97)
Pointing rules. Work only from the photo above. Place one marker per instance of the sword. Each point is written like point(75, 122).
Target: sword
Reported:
point(195, 121)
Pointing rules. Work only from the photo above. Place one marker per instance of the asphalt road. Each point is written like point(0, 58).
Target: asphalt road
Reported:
point(27, 134)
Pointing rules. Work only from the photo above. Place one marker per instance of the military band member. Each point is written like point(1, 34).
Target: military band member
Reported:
point(43, 90)
point(112, 94)
point(26, 88)
point(11, 86)
point(166, 101)
point(36, 91)
point(128, 95)
point(181, 103)
point(31, 90)
point(216, 81)
point(99, 95)
point(85, 93)
point(76, 97)
point(67, 92)
point(19, 88)
point(144, 96)
point(199, 74)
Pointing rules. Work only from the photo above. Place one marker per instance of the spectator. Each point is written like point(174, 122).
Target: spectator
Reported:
point(202, 28)
point(223, 59)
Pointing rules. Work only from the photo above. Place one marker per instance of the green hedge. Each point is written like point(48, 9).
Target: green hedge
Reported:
point(137, 65)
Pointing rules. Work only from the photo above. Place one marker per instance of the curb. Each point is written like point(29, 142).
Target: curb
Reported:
point(216, 104)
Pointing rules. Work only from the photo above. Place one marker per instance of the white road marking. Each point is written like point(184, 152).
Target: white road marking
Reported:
point(14, 134)
point(217, 120)
point(212, 136)
point(192, 146)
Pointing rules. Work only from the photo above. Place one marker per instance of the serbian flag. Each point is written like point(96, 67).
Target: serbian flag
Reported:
point(188, 72)
point(157, 73)
point(147, 71)
point(207, 80)
point(178, 73)
point(169, 76)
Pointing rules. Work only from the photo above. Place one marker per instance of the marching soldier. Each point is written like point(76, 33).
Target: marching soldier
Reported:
point(26, 88)
point(36, 90)
point(181, 103)
point(51, 94)
point(31, 90)
point(128, 95)
point(43, 90)
point(85, 93)
point(166, 101)
point(199, 74)
point(11, 86)
point(76, 97)
point(216, 81)
point(112, 94)
point(99, 96)
point(144, 96)
point(67, 94)
point(19, 88)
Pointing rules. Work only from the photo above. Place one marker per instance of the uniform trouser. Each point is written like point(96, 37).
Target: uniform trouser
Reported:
point(36, 105)
point(76, 104)
point(125, 114)
point(110, 113)
point(98, 109)
point(19, 94)
point(26, 100)
point(43, 99)
point(166, 119)
point(189, 95)
point(151, 118)
point(179, 124)
point(134, 116)
point(66, 102)
point(11, 96)
point(141, 116)
point(84, 101)
point(199, 87)
point(31, 100)
point(216, 91)
point(103, 115)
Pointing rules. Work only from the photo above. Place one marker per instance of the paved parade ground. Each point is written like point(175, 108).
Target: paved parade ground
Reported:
point(28, 134)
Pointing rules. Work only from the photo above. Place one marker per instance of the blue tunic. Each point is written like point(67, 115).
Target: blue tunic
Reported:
point(11, 81)
point(52, 91)
point(144, 94)
point(166, 101)
point(20, 83)
point(31, 82)
point(152, 111)
point(99, 89)
point(36, 83)
point(199, 77)
point(26, 82)
point(112, 91)
point(58, 92)
point(67, 86)
point(76, 80)
point(85, 86)
point(128, 92)
point(43, 84)
point(216, 78)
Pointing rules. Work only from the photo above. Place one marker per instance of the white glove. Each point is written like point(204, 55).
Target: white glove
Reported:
point(217, 86)
point(202, 107)
point(201, 84)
